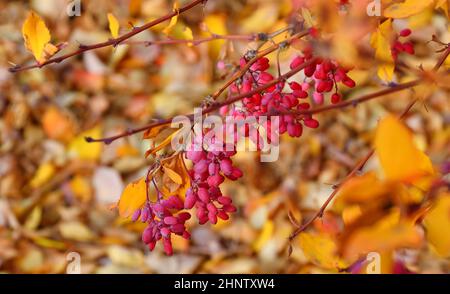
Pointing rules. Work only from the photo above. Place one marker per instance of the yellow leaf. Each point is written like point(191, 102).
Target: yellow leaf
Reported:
point(187, 35)
point(173, 175)
point(48, 243)
point(407, 8)
point(173, 20)
point(381, 42)
point(421, 20)
point(34, 218)
point(386, 72)
point(43, 174)
point(163, 144)
point(265, 235)
point(216, 24)
point(437, 222)
point(113, 25)
point(262, 19)
point(133, 197)
point(78, 147)
point(36, 36)
point(400, 159)
point(306, 14)
point(321, 250)
point(81, 188)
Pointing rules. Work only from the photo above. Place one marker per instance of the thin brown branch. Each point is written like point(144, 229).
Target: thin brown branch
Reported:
point(239, 97)
point(208, 110)
point(233, 99)
point(195, 42)
point(442, 58)
point(259, 55)
point(112, 42)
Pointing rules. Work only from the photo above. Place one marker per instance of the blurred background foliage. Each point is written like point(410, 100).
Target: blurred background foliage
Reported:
point(56, 190)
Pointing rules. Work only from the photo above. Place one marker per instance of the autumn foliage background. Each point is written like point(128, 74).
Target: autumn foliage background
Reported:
point(58, 192)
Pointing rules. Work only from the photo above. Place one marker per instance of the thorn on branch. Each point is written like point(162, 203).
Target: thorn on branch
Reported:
point(290, 250)
point(284, 45)
point(293, 220)
point(250, 54)
point(262, 37)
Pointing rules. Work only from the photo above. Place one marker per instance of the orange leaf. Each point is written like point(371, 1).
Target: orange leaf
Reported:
point(175, 179)
point(321, 250)
point(436, 223)
point(173, 175)
point(163, 144)
point(362, 189)
point(154, 131)
point(133, 197)
point(387, 234)
point(57, 125)
point(400, 159)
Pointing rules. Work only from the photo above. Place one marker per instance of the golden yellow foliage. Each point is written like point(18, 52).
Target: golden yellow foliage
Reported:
point(437, 224)
point(36, 36)
point(78, 147)
point(321, 250)
point(113, 25)
point(400, 159)
point(381, 42)
point(133, 197)
point(407, 8)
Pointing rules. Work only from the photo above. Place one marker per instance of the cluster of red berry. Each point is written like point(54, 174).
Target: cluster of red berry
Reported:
point(322, 76)
point(399, 47)
point(164, 218)
point(210, 168)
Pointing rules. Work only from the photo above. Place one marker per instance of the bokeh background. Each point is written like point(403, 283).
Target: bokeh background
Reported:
point(56, 190)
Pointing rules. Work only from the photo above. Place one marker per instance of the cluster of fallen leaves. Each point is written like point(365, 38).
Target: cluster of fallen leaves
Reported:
point(57, 192)
point(383, 214)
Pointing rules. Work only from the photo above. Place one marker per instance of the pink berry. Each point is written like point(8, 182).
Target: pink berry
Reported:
point(203, 195)
point(215, 180)
point(335, 98)
point(296, 62)
point(167, 246)
point(318, 98)
point(405, 32)
point(311, 123)
point(408, 47)
point(136, 215)
point(170, 220)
